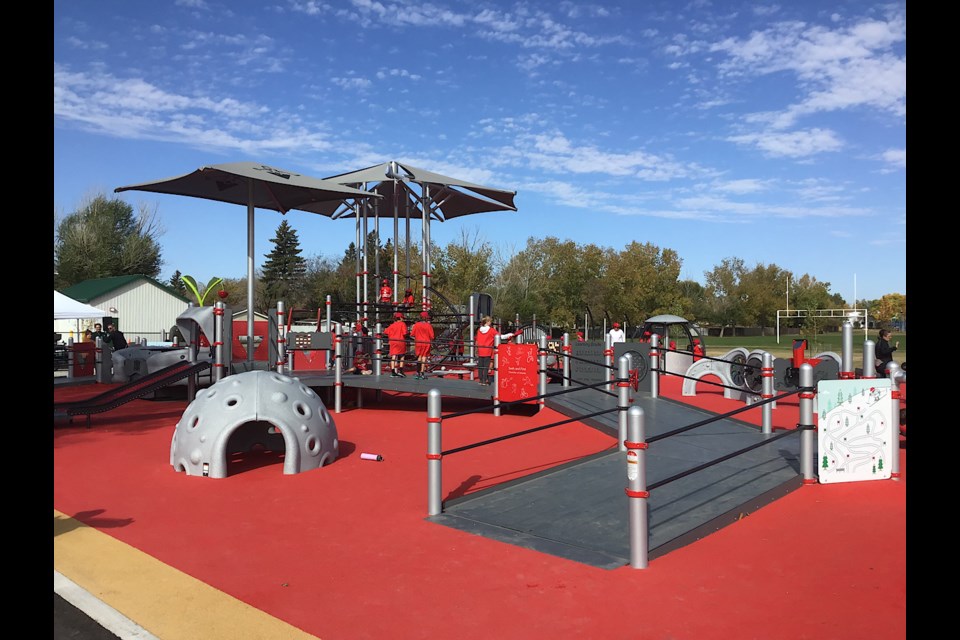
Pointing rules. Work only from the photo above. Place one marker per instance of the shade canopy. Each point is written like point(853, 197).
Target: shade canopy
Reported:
point(272, 188)
point(66, 308)
point(255, 185)
point(446, 197)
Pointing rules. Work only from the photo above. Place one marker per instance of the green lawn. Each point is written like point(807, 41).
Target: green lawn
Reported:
point(716, 347)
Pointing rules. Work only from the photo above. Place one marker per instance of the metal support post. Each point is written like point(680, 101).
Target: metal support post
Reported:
point(623, 399)
point(608, 359)
point(869, 358)
point(808, 437)
point(654, 366)
point(567, 350)
point(378, 349)
point(896, 376)
point(71, 358)
point(192, 358)
point(337, 372)
point(434, 455)
point(218, 371)
point(281, 337)
point(846, 354)
point(766, 378)
point(542, 387)
point(496, 375)
point(637, 488)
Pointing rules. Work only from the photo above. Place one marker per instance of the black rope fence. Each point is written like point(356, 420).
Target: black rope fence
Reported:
point(527, 431)
point(530, 399)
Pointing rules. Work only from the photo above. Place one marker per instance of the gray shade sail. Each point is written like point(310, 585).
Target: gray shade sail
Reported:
point(255, 185)
point(448, 197)
point(273, 188)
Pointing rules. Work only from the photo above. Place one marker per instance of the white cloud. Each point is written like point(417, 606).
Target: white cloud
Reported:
point(793, 144)
point(351, 82)
point(836, 68)
point(895, 157)
point(741, 186)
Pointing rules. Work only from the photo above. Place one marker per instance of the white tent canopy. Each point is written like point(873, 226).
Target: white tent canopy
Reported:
point(66, 308)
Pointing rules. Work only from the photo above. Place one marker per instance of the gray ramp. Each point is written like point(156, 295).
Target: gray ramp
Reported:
point(580, 511)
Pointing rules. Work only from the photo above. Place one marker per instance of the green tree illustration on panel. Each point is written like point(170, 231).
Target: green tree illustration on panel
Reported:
point(825, 464)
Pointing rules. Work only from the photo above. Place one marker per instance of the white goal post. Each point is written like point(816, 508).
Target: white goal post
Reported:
point(853, 315)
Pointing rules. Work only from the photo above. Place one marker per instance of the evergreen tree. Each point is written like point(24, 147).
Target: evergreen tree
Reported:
point(177, 284)
point(104, 238)
point(284, 272)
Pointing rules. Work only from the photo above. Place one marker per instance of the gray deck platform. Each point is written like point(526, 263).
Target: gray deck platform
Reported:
point(447, 386)
point(580, 511)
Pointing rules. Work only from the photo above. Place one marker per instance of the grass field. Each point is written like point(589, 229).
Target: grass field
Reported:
point(716, 347)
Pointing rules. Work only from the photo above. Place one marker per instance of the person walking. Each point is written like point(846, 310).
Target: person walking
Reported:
point(884, 351)
point(423, 336)
point(397, 335)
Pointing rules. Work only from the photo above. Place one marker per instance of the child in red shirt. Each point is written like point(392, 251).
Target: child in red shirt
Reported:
point(423, 336)
point(386, 293)
point(397, 335)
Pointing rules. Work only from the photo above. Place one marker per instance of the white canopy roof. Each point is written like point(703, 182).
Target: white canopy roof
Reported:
point(66, 308)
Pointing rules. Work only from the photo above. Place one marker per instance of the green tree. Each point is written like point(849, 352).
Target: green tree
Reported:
point(763, 293)
point(284, 272)
point(891, 307)
point(723, 286)
point(104, 238)
point(177, 284)
point(463, 267)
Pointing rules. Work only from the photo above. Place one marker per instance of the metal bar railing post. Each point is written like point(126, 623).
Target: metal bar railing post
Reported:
point(766, 378)
point(281, 337)
point(337, 371)
point(378, 349)
point(608, 359)
point(473, 332)
point(846, 352)
point(542, 387)
point(623, 400)
point(218, 309)
point(567, 350)
point(896, 375)
point(637, 488)
point(654, 366)
point(329, 318)
point(869, 359)
point(808, 436)
point(496, 375)
point(434, 455)
point(71, 358)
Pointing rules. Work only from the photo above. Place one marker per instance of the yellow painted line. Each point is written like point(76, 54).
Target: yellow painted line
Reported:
point(164, 601)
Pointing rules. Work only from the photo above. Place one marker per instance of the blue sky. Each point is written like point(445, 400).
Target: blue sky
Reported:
point(770, 132)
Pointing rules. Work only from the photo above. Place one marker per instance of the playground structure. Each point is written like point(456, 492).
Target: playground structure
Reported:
point(276, 412)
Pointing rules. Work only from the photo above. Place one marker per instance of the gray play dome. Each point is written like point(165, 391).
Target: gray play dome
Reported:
point(255, 409)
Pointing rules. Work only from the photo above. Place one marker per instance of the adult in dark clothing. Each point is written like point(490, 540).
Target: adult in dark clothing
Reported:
point(884, 351)
point(97, 332)
point(115, 338)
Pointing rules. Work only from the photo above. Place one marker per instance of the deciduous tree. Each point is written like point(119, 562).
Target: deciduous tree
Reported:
point(104, 238)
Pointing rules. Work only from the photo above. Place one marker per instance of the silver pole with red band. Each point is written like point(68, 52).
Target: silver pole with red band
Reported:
point(766, 377)
point(434, 455)
point(623, 399)
point(637, 487)
point(808, 439)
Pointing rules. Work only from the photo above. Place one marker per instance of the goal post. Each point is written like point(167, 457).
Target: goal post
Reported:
point(852, 315)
